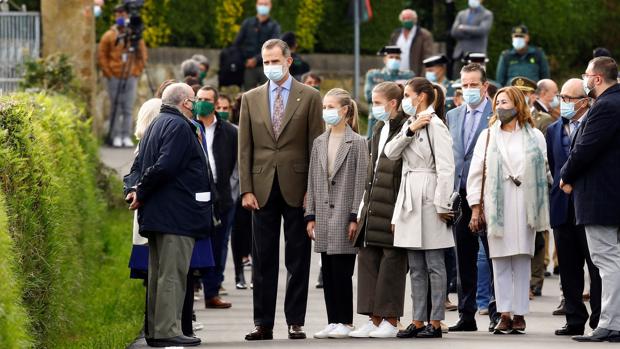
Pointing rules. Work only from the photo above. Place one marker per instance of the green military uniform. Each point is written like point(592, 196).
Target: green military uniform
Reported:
point(532, 64)
point(376, 76)
point(542, 120)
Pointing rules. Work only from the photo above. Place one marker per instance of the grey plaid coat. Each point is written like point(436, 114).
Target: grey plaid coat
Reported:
point(333, 202)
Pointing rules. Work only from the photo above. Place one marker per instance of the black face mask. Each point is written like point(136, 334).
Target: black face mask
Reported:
point(505, 116)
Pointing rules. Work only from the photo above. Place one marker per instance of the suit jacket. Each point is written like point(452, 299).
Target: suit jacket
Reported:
point(557, 156)
point(333, 201)
point(462, 157)
point(261, 155)
point(593, 168)
point(421, 48)
point(474, 36)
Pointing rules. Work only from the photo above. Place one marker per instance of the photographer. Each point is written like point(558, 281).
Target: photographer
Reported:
point(122, 58)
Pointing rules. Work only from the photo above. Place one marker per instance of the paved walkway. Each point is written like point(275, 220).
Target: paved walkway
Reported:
point(227, 328)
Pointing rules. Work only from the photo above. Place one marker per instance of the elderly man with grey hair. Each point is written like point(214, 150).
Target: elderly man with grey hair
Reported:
point(173, 199)
point(415, 42)
point(203, 61)
point(190, 69)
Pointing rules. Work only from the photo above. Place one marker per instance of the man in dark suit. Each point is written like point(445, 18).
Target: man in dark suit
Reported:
point(465, 124)
point(570, 238)
point(173, 198)
point(278, 124)
point(593, 169)
point(470, 30)
point(415, 42)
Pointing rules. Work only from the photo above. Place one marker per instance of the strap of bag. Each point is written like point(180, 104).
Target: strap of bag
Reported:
point(484, 168)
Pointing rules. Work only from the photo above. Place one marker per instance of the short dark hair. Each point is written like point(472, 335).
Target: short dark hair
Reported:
point(606, 67)
point(472, 67)
point(216, 94)
point(312, 75)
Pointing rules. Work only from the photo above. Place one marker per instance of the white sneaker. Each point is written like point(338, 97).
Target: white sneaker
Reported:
point(324, 333)
point(197, 326)
point(364, 331)
point(127, 142)
point(385, 330)
point(341, 331)
point(117, 142)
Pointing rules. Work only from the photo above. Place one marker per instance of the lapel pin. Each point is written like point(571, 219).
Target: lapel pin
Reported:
point(298, 99)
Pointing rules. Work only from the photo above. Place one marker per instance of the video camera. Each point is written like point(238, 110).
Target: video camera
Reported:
point(136, 26)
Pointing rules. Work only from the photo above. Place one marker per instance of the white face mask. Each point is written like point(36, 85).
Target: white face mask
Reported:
point(518, 43)
point(473, 3)
point(274, 72)
point(380, 114)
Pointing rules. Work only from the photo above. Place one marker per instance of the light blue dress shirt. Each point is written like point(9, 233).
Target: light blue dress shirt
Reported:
point(286, 90)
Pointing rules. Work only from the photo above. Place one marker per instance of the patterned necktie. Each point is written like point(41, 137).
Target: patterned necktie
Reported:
point(278, 112)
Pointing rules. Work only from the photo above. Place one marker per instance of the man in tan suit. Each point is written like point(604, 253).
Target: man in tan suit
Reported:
point(278, 123)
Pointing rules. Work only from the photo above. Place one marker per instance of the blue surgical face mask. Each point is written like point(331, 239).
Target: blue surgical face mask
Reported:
point(97, 10)
point(274, 72)
point(262, 10)
point(379, 113)
point(472, 96)
point(120, 21)
point(408, 107)
point(431, 76)
point(518, 43)
point(331, 116)
point(393, 64)
point(554, 102)
point(586, 89)
point(567, 110)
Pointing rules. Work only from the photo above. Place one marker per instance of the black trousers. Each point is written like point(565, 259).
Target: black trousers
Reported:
point(266, 260)
point(188, 307)
point(467, 269)
point(338, 287)
point(241, 238)
point(572, 247)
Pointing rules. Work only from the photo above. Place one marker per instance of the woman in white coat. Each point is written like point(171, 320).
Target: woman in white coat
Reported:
point(423, 204)
point(507, 188)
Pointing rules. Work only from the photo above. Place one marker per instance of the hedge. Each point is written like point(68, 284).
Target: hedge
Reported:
point(61, 230)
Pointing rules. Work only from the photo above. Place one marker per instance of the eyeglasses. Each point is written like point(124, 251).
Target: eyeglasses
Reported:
point(584, 76)
point(567, 99)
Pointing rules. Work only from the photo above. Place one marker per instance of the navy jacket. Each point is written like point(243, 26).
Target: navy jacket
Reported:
point(593, 166)
point(462, 157)
point(557, 155)
point(173, 184)
point(253, 34)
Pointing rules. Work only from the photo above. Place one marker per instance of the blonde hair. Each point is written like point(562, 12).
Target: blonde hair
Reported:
point(344, 99)
point(517, 98)
point(147, 113)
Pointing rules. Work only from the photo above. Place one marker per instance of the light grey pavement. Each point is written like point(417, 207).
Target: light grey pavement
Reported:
point(227, 328)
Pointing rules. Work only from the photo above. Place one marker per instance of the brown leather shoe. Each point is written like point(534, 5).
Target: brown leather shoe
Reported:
point(260, 333)
point(296, 332)
point(217, 303)
point(504, 326)
point(518, 324)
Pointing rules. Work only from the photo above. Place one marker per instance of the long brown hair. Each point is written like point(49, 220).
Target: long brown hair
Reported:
point(518, 99)
point(345, 100)
point(390, 90)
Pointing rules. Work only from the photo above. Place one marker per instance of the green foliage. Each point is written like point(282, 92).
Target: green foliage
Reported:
point(49, 165)
point(53, 73)
point(227, 21)
point(13, 318)
point(308, 20)
point(156, 29)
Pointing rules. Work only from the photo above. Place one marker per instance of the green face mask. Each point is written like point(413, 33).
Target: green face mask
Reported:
point(203, 108)
point(317, 87)
point(224, 114)
point(202, 76)
point(408, 24)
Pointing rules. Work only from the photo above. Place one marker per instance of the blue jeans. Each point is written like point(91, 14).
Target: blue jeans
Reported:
point(213, 278)
point(483, 297)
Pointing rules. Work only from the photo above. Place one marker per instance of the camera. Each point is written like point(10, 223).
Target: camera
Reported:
point(136, 26)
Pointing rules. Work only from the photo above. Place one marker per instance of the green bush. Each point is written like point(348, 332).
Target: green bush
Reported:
point(64, 250)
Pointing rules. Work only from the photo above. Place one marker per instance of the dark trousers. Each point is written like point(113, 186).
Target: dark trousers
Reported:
point(241, 238)
point(450, 260)
point(188, 307)
point(338, 287)
point(467, 269)
point(266, 260)
point(572, 247)
point(214, 276)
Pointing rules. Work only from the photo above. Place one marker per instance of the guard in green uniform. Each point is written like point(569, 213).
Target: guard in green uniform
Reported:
point(522, 59)
point(390, 72)
point(528, 87)
point(436, 68)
